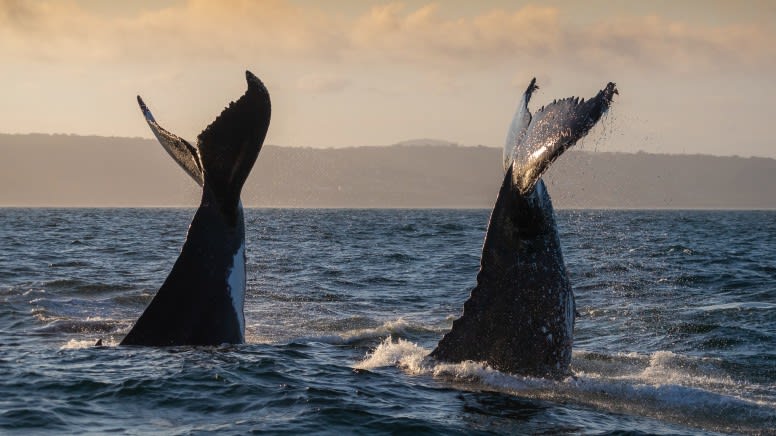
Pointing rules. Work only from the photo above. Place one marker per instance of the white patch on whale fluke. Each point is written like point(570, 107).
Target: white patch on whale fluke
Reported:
point(236, 283)
point(538, 153)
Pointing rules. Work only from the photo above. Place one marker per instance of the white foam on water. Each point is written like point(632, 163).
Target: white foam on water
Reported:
point(401, 353)
point(662, 385)
point(666, 368)
point(78, 344)
point(413, 359)
point(398, 327)
point(75, 344)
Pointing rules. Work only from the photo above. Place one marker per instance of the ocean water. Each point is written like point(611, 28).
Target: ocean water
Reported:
point(677, 333)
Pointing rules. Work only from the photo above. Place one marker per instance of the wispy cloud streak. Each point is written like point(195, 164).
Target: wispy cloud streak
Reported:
point(198, 31)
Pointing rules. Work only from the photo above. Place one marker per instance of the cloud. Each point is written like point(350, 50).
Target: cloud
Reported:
point(319, 83)
point(238, 29)
point(656, 42)
point(545, 35)
point(422, 35)
point(194, 31)
point(201, 31)
point(48, 31)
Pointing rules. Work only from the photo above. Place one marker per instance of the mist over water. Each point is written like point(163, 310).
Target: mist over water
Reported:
point(676, 334)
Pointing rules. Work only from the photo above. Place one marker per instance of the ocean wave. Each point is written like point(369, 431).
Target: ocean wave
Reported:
point(392, 328)
point(401, 353)
point(662, 385)
point(77, 286)
point(69, 264)
point(310, 297)
point(95, 325)
point(78, 344)
point(450, 227)
point(667, 341)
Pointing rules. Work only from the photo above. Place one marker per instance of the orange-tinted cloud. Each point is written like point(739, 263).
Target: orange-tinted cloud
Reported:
point(654, 41)
point(422, 35)
point(317, 82)
point(201, 30)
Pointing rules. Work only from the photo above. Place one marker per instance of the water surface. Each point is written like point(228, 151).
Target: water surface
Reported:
point(677, 332)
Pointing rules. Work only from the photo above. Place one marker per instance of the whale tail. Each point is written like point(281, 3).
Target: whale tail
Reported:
point(229, 146)
point(201, 301)
point(227, 149)
point(185, 154)
point(520, 316)
point(535, 141)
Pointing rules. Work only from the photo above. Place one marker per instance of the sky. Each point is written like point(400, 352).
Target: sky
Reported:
point(694, 76)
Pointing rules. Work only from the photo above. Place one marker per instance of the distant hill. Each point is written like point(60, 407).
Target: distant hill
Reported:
point(69, 170)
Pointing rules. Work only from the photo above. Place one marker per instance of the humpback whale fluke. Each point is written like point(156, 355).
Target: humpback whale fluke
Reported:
point(520, 316)
point(201, 301)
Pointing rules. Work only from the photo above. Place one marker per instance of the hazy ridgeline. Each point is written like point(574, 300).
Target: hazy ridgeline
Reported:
point(69, 170)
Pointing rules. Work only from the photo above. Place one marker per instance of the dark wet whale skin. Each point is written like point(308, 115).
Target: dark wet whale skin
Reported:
point(520, 316)
point(201, 301)
point(194, 306)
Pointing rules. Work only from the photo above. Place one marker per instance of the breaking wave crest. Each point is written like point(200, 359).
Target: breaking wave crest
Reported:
point(662, 385)
point(394, 328)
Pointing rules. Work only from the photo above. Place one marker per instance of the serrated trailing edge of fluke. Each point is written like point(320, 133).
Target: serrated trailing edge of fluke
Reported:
point(551, 130)
point(230, 144)
point(254, 84)
point(520, 316)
